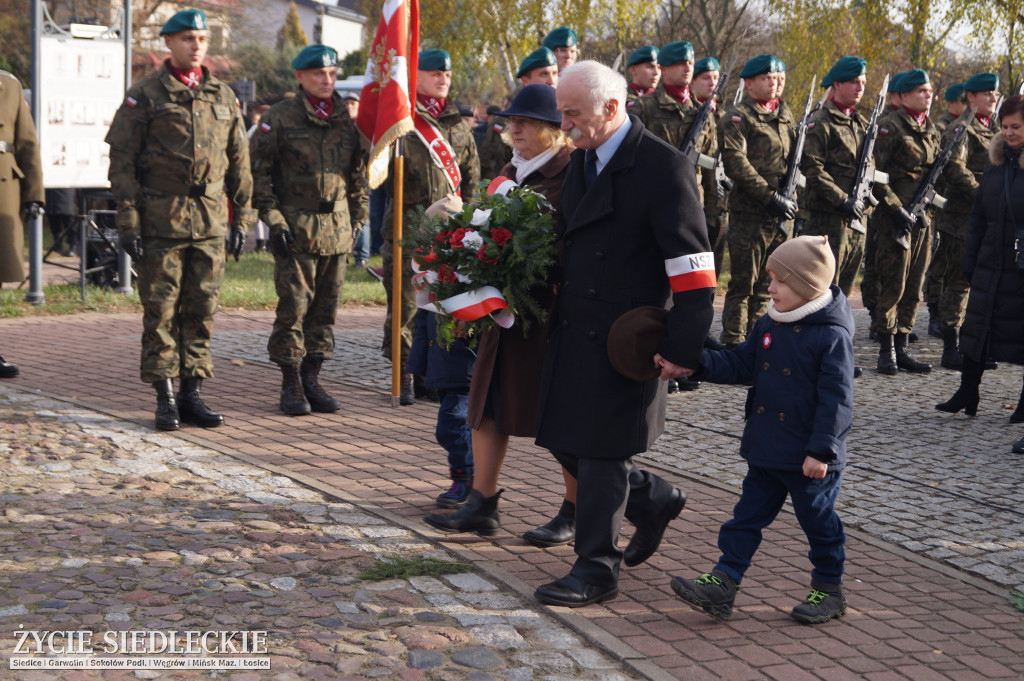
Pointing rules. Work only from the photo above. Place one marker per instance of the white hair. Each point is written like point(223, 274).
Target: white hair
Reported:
point(601, 83)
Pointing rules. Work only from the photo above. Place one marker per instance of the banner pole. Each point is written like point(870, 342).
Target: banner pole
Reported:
point(397, 268)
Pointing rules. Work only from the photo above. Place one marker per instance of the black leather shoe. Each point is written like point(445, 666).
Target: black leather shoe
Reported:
point(1018, 446)
point(559, 530)
point(857, 372)
point(166, 407)
point(647, 537)
point(191, 407)
point(7, 370)
point(687, 383)
point(571, 592)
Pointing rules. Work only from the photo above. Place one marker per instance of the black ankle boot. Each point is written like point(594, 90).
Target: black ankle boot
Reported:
point(951, 357)
point(1018, 414)
point(166, 407)
point(478, 515)
point(966, 396)
point(8, 370)
point(192, 408)
point(407, 393)
point(906, 361)
point(887, 355)
point(293, 398)
point(559, 530)
point(318, 398)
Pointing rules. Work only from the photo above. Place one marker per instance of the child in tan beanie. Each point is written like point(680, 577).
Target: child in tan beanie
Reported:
point(799, 358)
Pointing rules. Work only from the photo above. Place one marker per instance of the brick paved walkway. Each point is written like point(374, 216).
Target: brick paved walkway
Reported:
point(911, 617)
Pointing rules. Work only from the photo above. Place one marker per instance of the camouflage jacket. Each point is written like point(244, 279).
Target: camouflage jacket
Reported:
point(906, 151)
point(961, 176)
point(494, 153)
point(944, 122)
point(425, 183)
point(755, 150)
point(714, 204)
point(831, 155)
point(300, 160)
point(167, 140)
point(671, 121)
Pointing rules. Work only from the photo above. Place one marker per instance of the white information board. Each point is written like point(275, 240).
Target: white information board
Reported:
point(81, 87)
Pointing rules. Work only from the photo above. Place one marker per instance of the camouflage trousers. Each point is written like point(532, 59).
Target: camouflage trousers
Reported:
point(751, 240)
point(847, 245)
point(407, 304)
point(308, 289)
point(179, 286)
point(900, 276)
point(952, 288)
point(869, 282)
point(718, 228)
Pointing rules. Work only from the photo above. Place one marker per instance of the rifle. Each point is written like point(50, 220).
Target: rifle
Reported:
point(926, 195)
point(689, 146)
point(866, 173)
point(793, 177)
point(724, 183)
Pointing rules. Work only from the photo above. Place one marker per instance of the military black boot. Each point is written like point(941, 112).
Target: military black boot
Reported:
point(887, 355)
point(407, 394)
point(319, 400)
point(934, 325)
point(166, 407)
point(192, 408)
point(966, 396)
point(293, 398)
point(1018, 414)
point(825, 602)
point(951, 357)
point(7, 370)
point(906, 361)
point(479, 514)
point(559, 530)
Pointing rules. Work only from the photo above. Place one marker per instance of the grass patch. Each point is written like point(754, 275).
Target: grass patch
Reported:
point(400, 567)
point(248, 285)
point(1017, 599)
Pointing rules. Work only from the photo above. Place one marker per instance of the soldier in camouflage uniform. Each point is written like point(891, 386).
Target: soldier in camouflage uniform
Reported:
point(954, 97)
point(832, 151)
point(906, 148)
point(706, 72)
point(755, 138)
point(644, 74)
point(425, 183)
point(960, 183)
point(309, 171)
point(563, 41)
point(178, 157)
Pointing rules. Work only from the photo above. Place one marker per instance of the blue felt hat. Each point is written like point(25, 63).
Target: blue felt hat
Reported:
point(186, 20)
point(563, 36)
point(435, 60)
point(535, 101)
point(648, 54)
point(673, 53)
point(315, 56)
point(539, 58)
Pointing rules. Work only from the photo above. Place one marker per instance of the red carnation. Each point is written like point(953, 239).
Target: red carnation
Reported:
point(456, 238)
point(482, 257)
point(501, 235)
point(442, 236)
point(446, 274)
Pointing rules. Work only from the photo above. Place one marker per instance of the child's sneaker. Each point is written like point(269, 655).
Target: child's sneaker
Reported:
point(713, 592)
point(455, 496)
point(824, 602)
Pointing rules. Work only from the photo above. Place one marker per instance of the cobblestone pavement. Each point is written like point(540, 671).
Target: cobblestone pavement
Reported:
point(108, 526)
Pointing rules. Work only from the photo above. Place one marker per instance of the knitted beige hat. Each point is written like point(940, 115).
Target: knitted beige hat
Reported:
point(805, 264)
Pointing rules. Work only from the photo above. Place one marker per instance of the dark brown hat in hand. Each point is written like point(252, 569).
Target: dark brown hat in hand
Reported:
point(633, 341)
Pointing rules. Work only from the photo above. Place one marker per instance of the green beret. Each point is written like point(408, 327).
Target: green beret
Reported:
point(982, 82)
point(539, 58)
point(705, 64)
point(673, 53)
point(186, 20)
point(846, 69)
point(435, 60)
point(761, 64)
point(954, 92)
point(563, 36)
point(906, 81)
point(644, 55)
point(894, 83)
point(315, 56)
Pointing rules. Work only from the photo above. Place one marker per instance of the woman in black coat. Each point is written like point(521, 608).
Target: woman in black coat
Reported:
point(994, 264)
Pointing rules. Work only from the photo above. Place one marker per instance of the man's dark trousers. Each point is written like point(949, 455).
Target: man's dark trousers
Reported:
point(609, 489)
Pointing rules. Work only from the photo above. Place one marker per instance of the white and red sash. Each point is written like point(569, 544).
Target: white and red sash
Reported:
point(691, 272)
point(441, 153)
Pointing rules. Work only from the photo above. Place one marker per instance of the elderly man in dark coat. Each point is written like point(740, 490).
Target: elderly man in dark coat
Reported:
point(635, 234)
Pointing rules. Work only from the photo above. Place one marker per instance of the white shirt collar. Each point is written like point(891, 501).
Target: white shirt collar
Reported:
point(611, 145)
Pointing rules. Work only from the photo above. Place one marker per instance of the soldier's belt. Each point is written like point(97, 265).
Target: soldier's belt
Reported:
point(5, 148)
point(179, 188)
point(314, 205)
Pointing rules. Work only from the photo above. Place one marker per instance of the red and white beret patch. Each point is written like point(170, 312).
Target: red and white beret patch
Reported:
point(766, 341)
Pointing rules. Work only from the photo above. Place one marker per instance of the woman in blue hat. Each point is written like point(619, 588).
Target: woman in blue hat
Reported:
point(506, 377)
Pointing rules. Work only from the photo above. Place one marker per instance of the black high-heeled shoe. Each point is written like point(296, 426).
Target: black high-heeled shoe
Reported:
point(963, 398)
